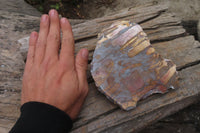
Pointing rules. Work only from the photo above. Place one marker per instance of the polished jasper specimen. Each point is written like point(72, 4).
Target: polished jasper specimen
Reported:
point(126, 67)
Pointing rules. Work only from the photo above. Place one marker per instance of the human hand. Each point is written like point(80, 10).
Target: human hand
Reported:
point(51, 77)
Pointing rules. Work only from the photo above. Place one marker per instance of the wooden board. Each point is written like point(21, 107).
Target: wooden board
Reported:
point(98, 113)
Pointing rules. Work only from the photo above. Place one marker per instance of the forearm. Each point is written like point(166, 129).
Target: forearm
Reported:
point(42, 118)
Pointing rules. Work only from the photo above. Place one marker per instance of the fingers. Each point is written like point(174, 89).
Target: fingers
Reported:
point(31, 50)
point(67, 46)
point(81, 67)
point(53, 39)
point(42, 39)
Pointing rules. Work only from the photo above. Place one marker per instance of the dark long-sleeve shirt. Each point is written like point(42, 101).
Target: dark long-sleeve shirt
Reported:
point(39, 117)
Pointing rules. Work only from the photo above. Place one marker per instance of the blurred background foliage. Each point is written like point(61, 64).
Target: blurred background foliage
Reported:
point(74, 9)
point(66, 8)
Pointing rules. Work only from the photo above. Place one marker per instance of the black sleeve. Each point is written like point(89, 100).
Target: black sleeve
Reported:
point(39, 117)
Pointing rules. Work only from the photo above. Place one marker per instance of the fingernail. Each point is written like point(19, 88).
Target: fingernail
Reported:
point(85, 53)
point(44, 18)
point(52, 12)
point(33, 35)
point(63, 20)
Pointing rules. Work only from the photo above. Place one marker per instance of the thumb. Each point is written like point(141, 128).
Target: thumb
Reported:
point(81, 67)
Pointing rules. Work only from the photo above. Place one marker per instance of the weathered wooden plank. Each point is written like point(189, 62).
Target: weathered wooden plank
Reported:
point(182, 50)
point(13, 26)
point(138, 14)
point(10, 97)
point(5, 125)
point(164, 19)
point(9, 110)
point(170, 33)
point(4, 130)
point(86, 33)
point(16, 25)
point(154, 29)
point(136, 125)
point(160, 29)
point(11, 67)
